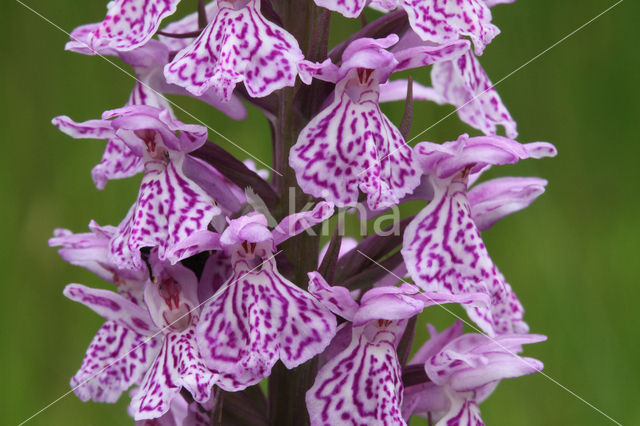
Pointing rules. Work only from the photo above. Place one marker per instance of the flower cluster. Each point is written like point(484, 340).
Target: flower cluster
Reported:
point(206, 264)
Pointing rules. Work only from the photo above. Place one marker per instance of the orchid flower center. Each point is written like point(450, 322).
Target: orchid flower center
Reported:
point(364, 74)
point(153, 144)
point(177, 312)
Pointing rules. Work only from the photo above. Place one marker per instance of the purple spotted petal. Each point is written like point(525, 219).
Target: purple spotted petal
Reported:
point(476, 154)
point(188, 24)
point(87, 250)
point(239, 45)
point(464, 369)
point(145, 94)
point(348, 8)
point(371, 54)
point(256, 318)
point(251, 228)
point(148, 131)
point(362, 384)
point(336, 298)
point(351, 145)
point(464, 84)
point(404, 301)
point(426, 400)
point(118, 160)
point(131, 23)
point(91, 129)
point(80, 41)
point(114, 307)
point(444, 253)
point(462, 412)
point(178, 364)
point(169, 208)
point(471, 361)
point(176, 416)
point(494, 199)
point(90, 250)
point(299, 222)
point(383, 5)
point(420, 56)
point(216, 272)
point(492, 3)
point(116, 359)
point(196, 242)
point(437, 341)
point(441, 21)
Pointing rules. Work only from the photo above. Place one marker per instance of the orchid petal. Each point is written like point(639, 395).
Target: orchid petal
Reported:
point(475, 154)
point(143, 128)
point(464, 84)
point(131, 23)
point(416, 57)
point(441, 21)
point(178, 364)
point(462, 411)
point(336, 298)
point(118, 162)
point(79, 41)
point(217, 270)
point(173, 298)
point(347, 8)
point(472, 361)
point(251, 228)
point(494, 199)
point(492, 3)
point(396, 90)
point(371, 54)
point(444, 253)
point(238, 45)
point(272, 319)
point(188, 24)
point(437, 341)
point(116, 359)
point(499, 367)
point(207, 177)
point(170, 207)
point(196, 242)
point(91, 129)
point(352, 145)
point(112, 306)
point(426, 400)
point(299, 222)
point(144, 94)
point(90, 251)
point(362, 384)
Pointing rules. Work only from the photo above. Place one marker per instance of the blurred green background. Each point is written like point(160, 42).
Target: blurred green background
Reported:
point(572, 257)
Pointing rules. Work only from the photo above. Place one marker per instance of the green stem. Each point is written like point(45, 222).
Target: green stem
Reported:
point(304, 20)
